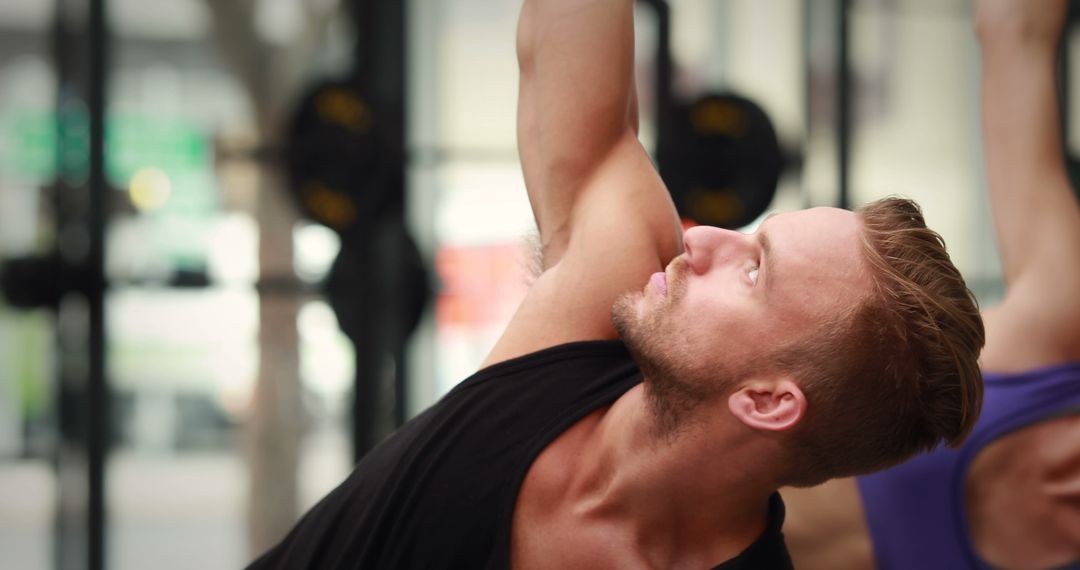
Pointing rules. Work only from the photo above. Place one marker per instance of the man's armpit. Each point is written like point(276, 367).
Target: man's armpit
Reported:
point(534, 256)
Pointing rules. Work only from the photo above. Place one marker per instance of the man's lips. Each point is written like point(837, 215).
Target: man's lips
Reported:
point(659, 282)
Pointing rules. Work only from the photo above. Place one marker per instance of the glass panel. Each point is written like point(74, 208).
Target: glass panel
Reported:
point(467, 202)
point(231, 380)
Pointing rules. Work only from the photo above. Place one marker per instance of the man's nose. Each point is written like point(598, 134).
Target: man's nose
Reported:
point(706, 245)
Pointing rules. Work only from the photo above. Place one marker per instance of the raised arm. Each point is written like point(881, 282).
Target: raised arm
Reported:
point(1036, 216)
point(606, 220)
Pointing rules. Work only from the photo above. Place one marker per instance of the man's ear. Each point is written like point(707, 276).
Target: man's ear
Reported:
point(773, 405)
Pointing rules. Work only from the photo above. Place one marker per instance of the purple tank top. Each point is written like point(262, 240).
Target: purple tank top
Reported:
point(916, 512)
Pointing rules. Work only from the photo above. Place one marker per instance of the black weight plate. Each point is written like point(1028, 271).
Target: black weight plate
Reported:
point(336, 172)
point(722, 160)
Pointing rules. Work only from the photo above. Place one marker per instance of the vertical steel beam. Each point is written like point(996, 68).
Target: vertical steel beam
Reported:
point(80, 43)
point(379, 72)
point(97, 388)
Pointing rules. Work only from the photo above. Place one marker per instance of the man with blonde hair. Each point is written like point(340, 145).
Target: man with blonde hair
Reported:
point(656, 387)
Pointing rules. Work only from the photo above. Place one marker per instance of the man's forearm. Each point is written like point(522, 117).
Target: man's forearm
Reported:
point(576, 98)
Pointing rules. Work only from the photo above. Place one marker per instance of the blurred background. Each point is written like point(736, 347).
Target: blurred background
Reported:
point(242, 240)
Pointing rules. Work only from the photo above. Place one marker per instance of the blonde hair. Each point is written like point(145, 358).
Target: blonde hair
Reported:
point(898, 373)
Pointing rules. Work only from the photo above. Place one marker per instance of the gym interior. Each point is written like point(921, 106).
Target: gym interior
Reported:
point(242, 240)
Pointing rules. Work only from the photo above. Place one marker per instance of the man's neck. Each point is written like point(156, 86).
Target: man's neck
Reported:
point(701, 489)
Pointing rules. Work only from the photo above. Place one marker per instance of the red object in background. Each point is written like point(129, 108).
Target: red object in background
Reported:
point(481, 285)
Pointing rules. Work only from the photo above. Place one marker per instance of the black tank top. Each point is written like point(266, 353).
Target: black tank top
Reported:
point(440, 492)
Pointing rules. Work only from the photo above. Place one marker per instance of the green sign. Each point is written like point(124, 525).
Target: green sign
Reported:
point(31, 143)
point(132, 143)
point(164, 166)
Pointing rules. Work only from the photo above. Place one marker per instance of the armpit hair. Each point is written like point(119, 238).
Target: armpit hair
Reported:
point(534, 256)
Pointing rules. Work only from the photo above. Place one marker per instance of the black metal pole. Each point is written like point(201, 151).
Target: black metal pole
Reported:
point(395, 44)
point(843, 103)
point(379, 72)
point(97, 392)
point(369, 359)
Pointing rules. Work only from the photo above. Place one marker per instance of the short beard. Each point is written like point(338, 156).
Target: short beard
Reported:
point(672, 389)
